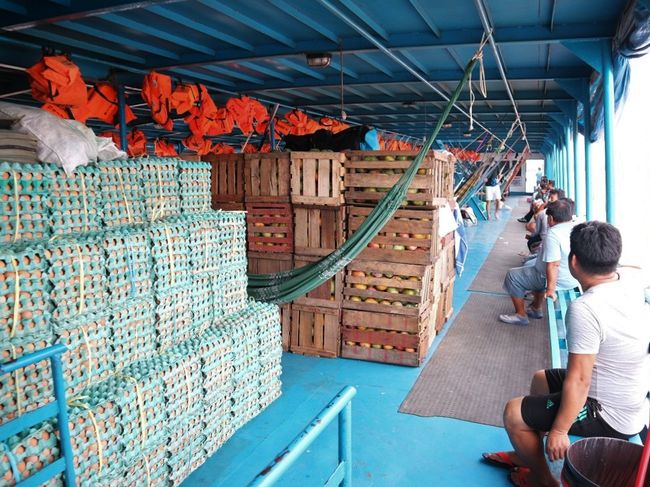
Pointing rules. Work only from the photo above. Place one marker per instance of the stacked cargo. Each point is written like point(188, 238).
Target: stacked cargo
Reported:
point(166, 355)
point(391, 290)
point(227, 175)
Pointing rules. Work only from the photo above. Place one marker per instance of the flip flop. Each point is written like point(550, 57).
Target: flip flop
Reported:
point(499, 459)
point(519, 477)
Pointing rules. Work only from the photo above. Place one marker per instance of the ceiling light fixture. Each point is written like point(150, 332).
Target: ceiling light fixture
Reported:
point(408, 104)
point(318, 59)
point(447, 125)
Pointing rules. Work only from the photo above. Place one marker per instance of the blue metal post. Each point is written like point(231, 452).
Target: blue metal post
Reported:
point(272, 134)
point(345, 443)
point(121, 107)
point(62, 414)
point(586, 116)
point(577, 167)
point(608, 109)
point(570, 184)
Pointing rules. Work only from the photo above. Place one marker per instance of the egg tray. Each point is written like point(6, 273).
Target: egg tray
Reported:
point(205, 241)
point(174, 321)
point(233, 288)
point(77, 271)
point(206, 301)
point(160, 189)
point(128, 264)
point(185, 449)
point(170, 252)
point(29, 387)
point(148, 470)
point(217, 429)
point(31, 314)
point(75, 202)
point(89, 358)
point(122, 195)
point(195, 191)
point(133, 331)
point(23, 201)
point(28, 452)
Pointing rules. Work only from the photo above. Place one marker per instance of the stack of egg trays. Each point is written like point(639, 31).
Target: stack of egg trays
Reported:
point(270, 343)
point(29, 452)
point(185, 452)
point(77, 271)
point(170, 252)
point(23, 271)
point(194, 179)
point(159, 181)
point(232, 276)
point(133, 331)
point(23, 192)
point(122, 198)
point(95, 433)
point(89, 358)
point(174, 317)
point(147, 470)
point(29, 387)
point(128, 264)
point(74, 201)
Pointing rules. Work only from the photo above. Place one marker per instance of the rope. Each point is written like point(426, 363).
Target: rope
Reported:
point(126, 201)
point(187, 384)
point(161, 198)
point(19, 400)
point(482, 85)
point(170, 249)
point(77, 401)
point(143, 417)
point(90, 356)
point(85, 201)
point(147, 469)
point(13, 461)
point(129, 263)
point(81, 280)
point(17, 206)
point(16, 313)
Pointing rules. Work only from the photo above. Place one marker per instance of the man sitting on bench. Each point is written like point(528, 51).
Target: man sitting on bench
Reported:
point(604, 389)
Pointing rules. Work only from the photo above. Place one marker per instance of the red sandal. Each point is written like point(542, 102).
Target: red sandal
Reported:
point(499, 459)
point(519, 477)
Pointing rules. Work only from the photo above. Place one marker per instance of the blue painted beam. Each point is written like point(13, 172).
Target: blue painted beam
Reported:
point(299, 93)
point(152, 31)
point(368, 59)
point(328, 93)
point(274, 73)
point(201, 76)
point(14, 7)
point(589, 52)
point(609, 112)
point(425, 17)
point(586, 118)
point(106, 35)
point(211, 31)
point(355, 91)
point(414, 61)
point(305, 19)
point(384, 90)
point(347, 71)
point(302, 69)
point(366, 18)
point(234, 73)
point(578, 167)
point(248, 21)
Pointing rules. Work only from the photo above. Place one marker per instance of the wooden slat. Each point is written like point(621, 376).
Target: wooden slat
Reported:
point(317, 178)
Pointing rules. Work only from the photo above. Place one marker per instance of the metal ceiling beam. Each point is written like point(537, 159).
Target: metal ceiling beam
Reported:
point(203, 76)
point(368, 59)
point(305, 19)
point(515, 35)
point(335, 65)
point(425, 17)
point(302, 69)
point(274, 73)
point(365, 18)
point(46, 13)
point(234, 73)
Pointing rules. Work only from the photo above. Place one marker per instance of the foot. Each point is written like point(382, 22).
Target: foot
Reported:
point(514, 319)
point(534, 313)
point(520, 477)
point(522, 220)
point(503, 459)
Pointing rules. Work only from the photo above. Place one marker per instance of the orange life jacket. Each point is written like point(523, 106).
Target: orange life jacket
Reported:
point(57, 80)
point(335, 126)
point(112, 135)
point(163, 148)
point(137, 143)
point(198, 144)
point(252, 149)
point(222, 148)
point(203, 117)
point(157, 92)
point(300, 123)
point(185, 97)
point(103, 105)
point(249, 114)
point(57, 110)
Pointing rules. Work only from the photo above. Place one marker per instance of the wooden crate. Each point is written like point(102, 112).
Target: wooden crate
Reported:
point(445, 306)
point(270, 227)
point(285, 319)
point(318, 231)
point(267, 177)
point(410, 237)
point(368, 175)
point(227, 176)
point(328, 294)
point(448, 262)
point(317, 178)
point(265, 263)
point(315, 330)
point(229, 206)
point(375, 286)
point(382, 337)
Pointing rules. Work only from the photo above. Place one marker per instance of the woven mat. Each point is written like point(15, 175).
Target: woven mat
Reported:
point(480, 364)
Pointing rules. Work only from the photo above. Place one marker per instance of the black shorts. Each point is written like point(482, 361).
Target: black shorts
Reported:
point(539, 412)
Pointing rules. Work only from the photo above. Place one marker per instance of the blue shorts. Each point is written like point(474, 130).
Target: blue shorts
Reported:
point(522, 279)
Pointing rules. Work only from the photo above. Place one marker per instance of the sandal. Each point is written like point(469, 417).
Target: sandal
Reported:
point(519, 477)
point(499, 459)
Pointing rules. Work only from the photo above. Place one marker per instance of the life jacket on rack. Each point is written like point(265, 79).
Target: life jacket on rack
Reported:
point(334, 126)
point(205, 118)
point(103, 105)
point(222, 148)
point(57, 80)
point(164, 148)
point(157, 92)
point(300, 123)
point(198, 144)
point(252, 149)
point(136, 143)
point(185, 97)
point(57, 110)
point(249, 114)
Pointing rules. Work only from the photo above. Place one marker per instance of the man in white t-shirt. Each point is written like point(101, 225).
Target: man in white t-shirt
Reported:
point(604, 389)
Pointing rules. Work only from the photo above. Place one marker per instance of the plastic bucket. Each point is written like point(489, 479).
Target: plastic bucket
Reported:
point(602, 462)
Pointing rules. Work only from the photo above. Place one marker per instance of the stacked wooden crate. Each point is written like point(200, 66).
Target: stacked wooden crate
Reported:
point(319, 217)
point(391, 291)
point(447, 274)
point(227, 175)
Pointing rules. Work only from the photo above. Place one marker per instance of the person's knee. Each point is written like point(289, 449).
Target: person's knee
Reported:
point(539, 384)
point(512, 418)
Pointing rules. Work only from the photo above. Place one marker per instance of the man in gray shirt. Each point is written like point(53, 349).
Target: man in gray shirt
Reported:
point(604, 389)
point(551, 269)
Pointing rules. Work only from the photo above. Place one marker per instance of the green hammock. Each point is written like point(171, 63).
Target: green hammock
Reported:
point(286, 286)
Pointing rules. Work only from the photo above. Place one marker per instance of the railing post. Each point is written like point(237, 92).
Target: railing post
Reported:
point(586, 116)
point(62, 415)
point(608, 112)
point(345, 443)
point(121, 110)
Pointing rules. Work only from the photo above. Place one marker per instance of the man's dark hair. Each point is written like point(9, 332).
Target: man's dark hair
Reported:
point(559, 192)
point(551, 182)
point(597, 246)
point(560, 210)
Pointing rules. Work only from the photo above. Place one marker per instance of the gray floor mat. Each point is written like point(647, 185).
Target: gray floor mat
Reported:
point(480, 364)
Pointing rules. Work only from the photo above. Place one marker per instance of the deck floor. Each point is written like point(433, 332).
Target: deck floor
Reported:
point(389, 448)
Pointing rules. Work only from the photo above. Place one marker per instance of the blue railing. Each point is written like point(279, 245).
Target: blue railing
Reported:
point(339, 406)
point(57, 408)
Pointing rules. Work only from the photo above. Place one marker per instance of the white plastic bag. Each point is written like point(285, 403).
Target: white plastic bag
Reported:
point(107, 150)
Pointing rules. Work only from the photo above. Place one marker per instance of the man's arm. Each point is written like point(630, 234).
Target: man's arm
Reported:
point(552, 270)
point(574, 395)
